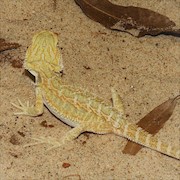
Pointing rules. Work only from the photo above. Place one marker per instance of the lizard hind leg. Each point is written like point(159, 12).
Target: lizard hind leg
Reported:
point(118, 105)
point(69, 136)
point(117, 102)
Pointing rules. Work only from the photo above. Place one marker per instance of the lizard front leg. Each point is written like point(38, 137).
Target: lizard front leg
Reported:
point(30, 110)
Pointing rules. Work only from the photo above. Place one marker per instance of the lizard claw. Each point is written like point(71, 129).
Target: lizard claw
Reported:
point(23, 107)
point(26, 109)
point(45, 140)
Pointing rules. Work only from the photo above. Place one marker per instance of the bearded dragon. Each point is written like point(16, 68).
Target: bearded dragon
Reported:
point(79, 109)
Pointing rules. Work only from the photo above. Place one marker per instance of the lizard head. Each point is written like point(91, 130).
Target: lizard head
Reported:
point(43, 54)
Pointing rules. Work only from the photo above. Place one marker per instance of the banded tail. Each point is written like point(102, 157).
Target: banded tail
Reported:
point(138, 135)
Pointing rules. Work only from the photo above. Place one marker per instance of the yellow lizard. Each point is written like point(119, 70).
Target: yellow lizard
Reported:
point(81, 110)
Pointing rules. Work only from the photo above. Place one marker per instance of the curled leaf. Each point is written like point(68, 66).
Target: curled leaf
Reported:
point(134, 20)
point(153, 122)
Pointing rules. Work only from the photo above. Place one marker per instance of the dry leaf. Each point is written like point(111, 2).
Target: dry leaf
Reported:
point(17, 63)
point(21, 134)
point(153, 122)
point(45, 124)
point(66, 165)
point(134, 20)
point(7, 46)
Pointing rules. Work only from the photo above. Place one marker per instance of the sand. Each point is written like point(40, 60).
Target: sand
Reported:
point(144, 71)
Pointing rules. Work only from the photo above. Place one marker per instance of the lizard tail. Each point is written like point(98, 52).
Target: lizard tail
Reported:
point(138, 135)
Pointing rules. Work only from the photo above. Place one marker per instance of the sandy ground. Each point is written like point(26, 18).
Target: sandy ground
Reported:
point(144, 71)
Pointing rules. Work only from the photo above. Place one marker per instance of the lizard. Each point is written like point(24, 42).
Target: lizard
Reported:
point(80, 109)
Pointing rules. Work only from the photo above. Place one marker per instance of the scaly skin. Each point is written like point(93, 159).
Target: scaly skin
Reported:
point(77, 108)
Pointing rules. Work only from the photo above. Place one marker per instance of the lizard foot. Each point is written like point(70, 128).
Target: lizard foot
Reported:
point(45, 140)
point(69, 136)
point(26, 109)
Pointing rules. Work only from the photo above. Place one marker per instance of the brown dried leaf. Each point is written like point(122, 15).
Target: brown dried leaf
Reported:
point(153, 122)
point(134, 20)
point(45, 124)
point(7, 46)
point(66, 165)
point(16, 63)
point(21, 134)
